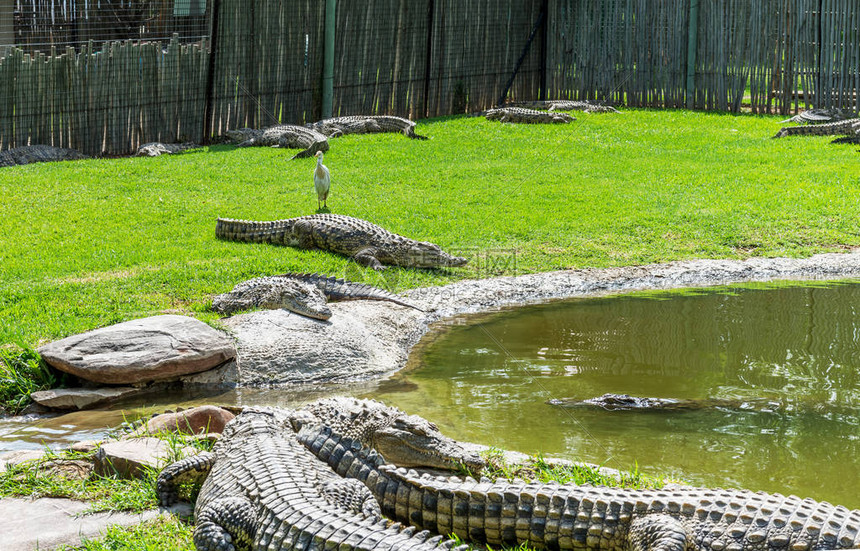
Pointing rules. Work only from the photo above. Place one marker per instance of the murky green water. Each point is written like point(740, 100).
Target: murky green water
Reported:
point(798, 346)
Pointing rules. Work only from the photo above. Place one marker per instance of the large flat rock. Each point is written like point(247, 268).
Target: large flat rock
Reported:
point(138, 351)
point(80, 398)
point(362, 339)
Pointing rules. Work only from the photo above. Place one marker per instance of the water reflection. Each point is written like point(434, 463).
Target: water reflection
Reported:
point(795, 345)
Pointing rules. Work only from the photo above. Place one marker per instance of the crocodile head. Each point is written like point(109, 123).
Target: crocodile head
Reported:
point(422, 254)
point(301, 298)
point(402, 439)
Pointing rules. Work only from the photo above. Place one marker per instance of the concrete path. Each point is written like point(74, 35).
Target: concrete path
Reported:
point(47, 523)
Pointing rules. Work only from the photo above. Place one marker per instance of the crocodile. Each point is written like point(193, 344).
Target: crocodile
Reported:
point(304, 294)
point(522, 115)
point(284, 135)
point(263, 490)
point(154, 149)
point(848, 127)
point(819, 116)
point(365, 124)
point(573, 517)
point(38, 154)
point(625, 402)
point(363, 241)
point(585, 106)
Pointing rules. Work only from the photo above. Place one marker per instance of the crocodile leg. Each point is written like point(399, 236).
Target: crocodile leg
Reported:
point(367, 257)
point(303, 234)
point(225, 524)
point(658, 533)
point(352, 495)
point(190, 469)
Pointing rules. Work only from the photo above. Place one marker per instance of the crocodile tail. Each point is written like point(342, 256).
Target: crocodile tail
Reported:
point(335, 288)
point(252, 232)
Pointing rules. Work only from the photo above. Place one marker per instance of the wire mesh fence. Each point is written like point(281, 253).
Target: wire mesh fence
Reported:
point(105, 76)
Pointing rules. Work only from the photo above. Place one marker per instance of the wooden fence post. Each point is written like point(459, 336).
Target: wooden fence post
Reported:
point(692, 43)
point(210, 71)
point(328, 59)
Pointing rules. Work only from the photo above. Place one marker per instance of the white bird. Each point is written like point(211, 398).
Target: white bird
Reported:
point(322, 180)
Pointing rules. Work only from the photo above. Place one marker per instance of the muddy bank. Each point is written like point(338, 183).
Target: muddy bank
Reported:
point(366, 340)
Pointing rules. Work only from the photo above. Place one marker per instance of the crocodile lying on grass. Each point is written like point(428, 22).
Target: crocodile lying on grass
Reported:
point(366, 243)
point(27, 154)
point(304, 294)
point(572, 517)
point(154, 149)
point(585, 106)
point(286, 135)
point(529, 116)
point(822, 115)
point(365, 124)
point(265, 491)
point(848, 127)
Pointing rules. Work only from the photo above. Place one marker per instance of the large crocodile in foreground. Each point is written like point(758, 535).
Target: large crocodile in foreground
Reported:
point(365, 124)
point(265, 491)
point(363, 241)
point(304, 294)
point(571, 517)
point(285, 136)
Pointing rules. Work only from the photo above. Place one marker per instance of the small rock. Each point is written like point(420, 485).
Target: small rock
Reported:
point(11, 459)
point(199, 420)
point(149, 349)
point(128, 458)
point(80, 398)
point(85, 446)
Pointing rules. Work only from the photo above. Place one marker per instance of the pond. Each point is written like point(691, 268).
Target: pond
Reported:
point(786, 353)
point(782, 359)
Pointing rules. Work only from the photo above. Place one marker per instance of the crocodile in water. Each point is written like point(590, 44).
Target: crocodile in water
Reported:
point(265, 491)
point(522, 115)
point(286, 135)
point(585, 106)
point(365, 124)
point(625, 402)
point(849, 127)
point(38, 154)
point(573, 517)
point(304, 294)
point(365, 242)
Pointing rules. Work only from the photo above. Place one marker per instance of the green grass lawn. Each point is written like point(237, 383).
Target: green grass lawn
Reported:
point(90, 243)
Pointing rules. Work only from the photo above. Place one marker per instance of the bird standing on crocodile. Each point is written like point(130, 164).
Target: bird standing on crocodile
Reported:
point(322, 181)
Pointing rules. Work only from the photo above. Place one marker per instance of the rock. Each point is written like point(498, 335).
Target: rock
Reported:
point(149, 349)
point(199, 420)
point(85, 446)
point(362, 338)
point(11, 459)
point(128, 458)
point(80, 398)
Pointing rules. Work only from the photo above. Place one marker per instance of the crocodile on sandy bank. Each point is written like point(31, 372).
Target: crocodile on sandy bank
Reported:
point(528, 116)
point(363, 241)
point(27, 154)
point(286, 136)
point(572, 517)
point(304, 294)
point(365, 124)
point(263, 490)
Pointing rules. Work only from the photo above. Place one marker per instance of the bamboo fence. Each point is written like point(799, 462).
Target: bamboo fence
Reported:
point(414, 58)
